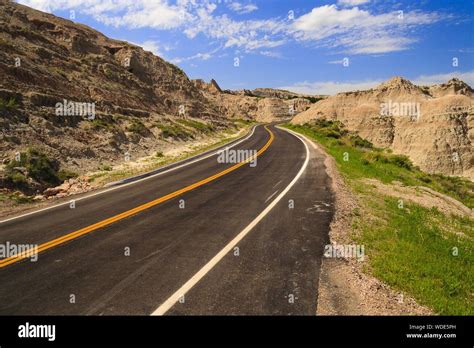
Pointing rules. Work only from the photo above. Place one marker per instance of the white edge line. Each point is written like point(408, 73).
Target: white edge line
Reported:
point(300, 135)
point(163, 308)
point(136, 181)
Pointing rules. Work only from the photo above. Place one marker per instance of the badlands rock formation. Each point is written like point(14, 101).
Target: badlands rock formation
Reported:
point(261, 104)
point(45, 60)
point(434, 125)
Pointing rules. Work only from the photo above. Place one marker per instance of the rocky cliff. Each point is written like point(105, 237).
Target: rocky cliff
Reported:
point(434, 125)
point(132, 97)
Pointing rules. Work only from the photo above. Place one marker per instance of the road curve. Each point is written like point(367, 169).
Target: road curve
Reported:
point(149, 246)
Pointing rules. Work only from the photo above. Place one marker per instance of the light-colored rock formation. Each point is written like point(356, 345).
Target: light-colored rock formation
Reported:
point(261, 104)
point(434, 125)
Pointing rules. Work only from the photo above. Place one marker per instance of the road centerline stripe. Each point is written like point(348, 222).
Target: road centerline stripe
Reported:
point(161, 170)
point(171, 301)
point(88, 229)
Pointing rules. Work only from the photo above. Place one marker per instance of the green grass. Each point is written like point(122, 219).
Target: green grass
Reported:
point(357, 158)
point(409, 248)
point(241, 121)
point(98, 124)
point(16, 199)
point(174, 131)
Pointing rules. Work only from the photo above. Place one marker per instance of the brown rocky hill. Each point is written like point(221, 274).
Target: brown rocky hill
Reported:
point(261, 104)
point(281, 94)
point(135, 95)
point(434, 125)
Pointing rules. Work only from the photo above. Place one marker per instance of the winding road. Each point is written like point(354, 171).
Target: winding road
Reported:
point(196, 238)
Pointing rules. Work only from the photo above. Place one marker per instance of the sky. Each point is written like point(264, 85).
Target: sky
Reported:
point(314, 47)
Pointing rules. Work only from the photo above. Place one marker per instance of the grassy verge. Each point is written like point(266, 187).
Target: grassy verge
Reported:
point(416, 250)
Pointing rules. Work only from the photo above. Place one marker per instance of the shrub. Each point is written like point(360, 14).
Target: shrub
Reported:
point(425, 178)
point(38, 167)
point(173, 131)
point(356, 140)
point(41, 168)
point(105, 168)
point(314, 99)
point(9, 105)
point(201, 126)
point(401, 161)
point(17, 178)
point(137, 127)
point(64, 174)
point(100, 124)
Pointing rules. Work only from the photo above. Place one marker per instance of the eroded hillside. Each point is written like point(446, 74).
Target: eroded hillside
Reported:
point(434, 125)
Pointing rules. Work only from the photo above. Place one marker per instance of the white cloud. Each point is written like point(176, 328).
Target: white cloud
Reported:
point(358, 31)
point(333, 87)
point(337, 62)
point(330, 87)
point(197, 56)
point(242, 9)
point(156, 14)
point(271, 54)
point(426, 80)
point(151, 46)
point(351, 30)
point(352, 2)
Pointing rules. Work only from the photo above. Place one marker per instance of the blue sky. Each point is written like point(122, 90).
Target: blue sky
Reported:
point(294, 44)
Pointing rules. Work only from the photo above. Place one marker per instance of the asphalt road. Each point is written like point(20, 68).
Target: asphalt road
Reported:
point(137, 249)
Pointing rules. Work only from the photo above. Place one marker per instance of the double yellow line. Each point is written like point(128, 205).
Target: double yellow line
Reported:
point(76, 234)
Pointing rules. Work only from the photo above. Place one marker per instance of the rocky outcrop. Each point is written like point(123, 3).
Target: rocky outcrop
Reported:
point(266, 105)
point(46, 60)
point(452, 87)
point(434, 125)
point(280, 94)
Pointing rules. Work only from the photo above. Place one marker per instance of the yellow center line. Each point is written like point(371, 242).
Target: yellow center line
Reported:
point(73, 235)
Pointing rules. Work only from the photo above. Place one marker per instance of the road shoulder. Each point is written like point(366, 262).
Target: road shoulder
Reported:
point(344, 289)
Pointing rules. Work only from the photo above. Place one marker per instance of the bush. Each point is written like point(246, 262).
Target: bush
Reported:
point(332, 134)
point(137, 127)
point(159, 154)
point(401, 161)
point(356, 140)
point(17, 178)
point(38, 167)
point(105, 168)
point(313, 99)
point(173, 131)
point(64, 175)
point(201, 126)
point(100, 124)
point(9, 105)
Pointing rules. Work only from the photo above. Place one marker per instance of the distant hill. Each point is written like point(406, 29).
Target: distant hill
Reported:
point(433, 125)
